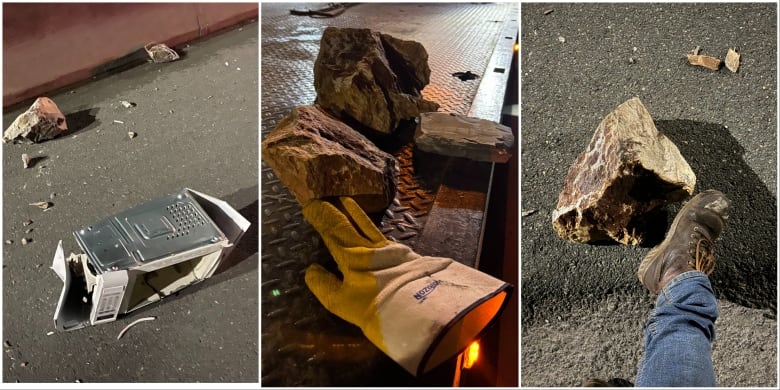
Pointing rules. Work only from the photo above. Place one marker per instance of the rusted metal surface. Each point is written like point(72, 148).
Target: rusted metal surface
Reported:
point(302, 343)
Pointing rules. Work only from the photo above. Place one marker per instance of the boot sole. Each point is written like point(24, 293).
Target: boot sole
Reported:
point(653, 262)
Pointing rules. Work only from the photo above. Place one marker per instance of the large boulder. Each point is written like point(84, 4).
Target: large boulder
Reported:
point(372, 78)
point(317, 156)
point(42, 121)
point(628, 171)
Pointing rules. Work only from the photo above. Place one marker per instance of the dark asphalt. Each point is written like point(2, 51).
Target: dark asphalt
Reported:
point(197, 126)
point(579, 62)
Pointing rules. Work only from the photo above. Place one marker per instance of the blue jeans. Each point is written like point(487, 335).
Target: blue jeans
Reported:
point(680, 331)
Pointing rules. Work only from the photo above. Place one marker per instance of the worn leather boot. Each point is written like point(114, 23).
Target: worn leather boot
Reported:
point(688, 244)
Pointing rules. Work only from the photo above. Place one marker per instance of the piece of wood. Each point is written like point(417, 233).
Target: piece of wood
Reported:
point(708, 62)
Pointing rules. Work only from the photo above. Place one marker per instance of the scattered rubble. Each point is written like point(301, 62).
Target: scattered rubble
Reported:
point(42, 121)
point(371, 77)
point(732, 60)
point(461, 136)
point(317, 156)
point(628, 171)
point(160, 53)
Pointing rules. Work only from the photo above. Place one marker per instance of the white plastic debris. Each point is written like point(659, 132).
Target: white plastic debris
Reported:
point(138, 321)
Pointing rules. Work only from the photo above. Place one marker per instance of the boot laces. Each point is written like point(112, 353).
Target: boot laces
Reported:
point(704, 258)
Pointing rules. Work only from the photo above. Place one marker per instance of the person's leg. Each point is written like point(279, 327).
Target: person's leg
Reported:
point(679, 332)
point(681, 328)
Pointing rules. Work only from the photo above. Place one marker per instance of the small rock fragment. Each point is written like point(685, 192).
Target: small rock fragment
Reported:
point(160, 53)
point(547, 11)
point(628, 171)
point(9, 242)
point(26, 241)
point(27, 222)
point(28, 231)
point(461, 136)
point(561, 39)
point(42, 121)
point(118, 121)
point(318, 156)
point(52, 195)
point(24, 364)
point(127, 104)
point(131, 134)
point(526, 213)
point(42, 205)
point(708, 62)
point(7, 344)
point(732, 60)
point(49, 333)
point(25, 160)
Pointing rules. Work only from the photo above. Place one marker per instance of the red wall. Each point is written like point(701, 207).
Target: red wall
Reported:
point(49, 46)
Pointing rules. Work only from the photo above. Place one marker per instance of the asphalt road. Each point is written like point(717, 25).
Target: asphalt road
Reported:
point(197, 126)
point(582, 307)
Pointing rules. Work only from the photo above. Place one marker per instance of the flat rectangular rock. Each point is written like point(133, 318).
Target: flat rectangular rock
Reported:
point(456, 135)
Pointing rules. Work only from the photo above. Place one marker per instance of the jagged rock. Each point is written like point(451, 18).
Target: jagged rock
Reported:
point(461, 136)
point(318, 156)
point(42, 121)
point(370, 77)
point(628, 171)
point(732, 60)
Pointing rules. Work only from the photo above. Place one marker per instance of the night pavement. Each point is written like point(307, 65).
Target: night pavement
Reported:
point(197, 126)
point(582, 308)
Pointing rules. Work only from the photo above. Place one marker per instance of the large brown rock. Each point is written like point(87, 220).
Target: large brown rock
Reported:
point(370, 77)
point(42, 121)
point(317, 156)
point(628, 171)
point(456, 135)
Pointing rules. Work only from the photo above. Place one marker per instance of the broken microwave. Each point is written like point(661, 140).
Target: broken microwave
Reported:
point(140, 255)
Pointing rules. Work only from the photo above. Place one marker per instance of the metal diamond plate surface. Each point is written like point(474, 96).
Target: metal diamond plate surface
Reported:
point(303, 344)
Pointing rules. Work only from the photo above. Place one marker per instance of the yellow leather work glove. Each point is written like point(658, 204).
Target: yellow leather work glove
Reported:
point(418, 310)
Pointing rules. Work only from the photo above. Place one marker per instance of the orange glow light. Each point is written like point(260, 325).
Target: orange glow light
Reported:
point(471, 355)
point(517, 46)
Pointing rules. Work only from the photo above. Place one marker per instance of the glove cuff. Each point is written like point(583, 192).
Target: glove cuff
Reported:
point(431, 319)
